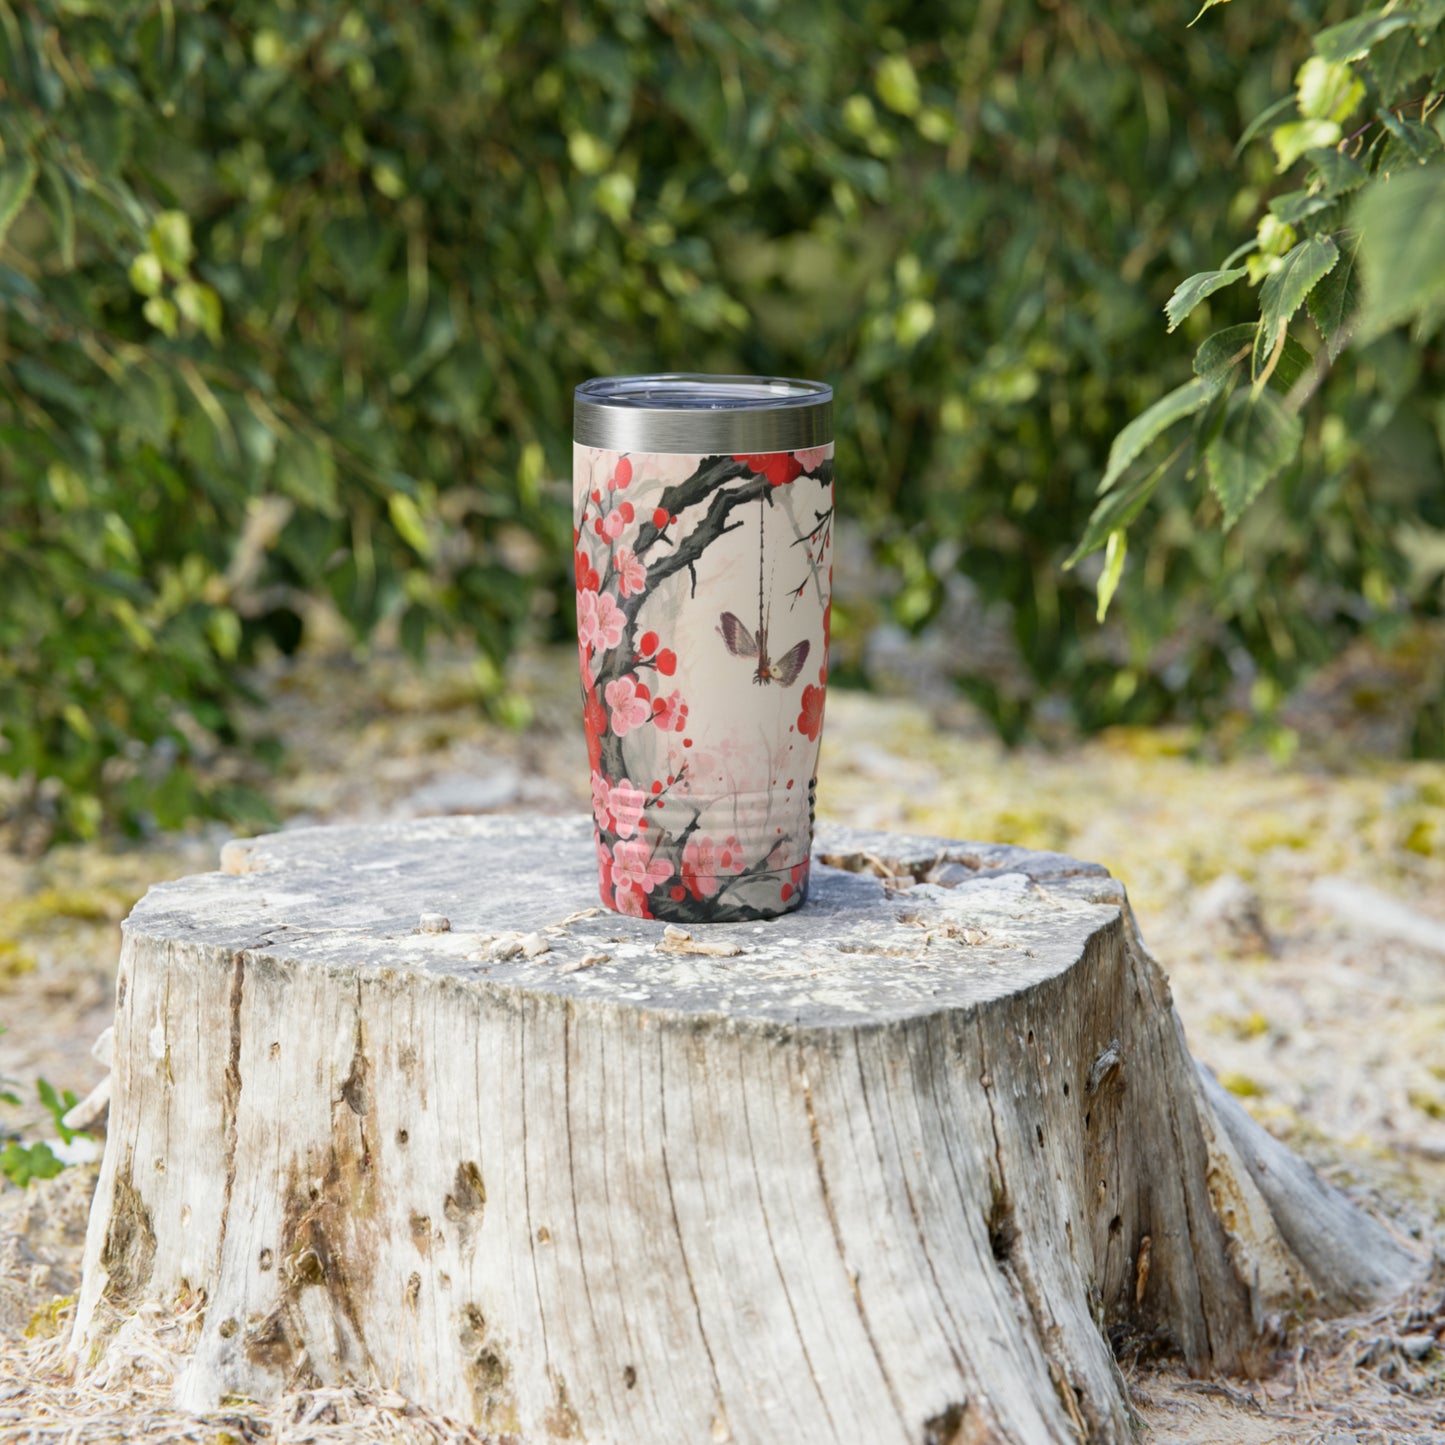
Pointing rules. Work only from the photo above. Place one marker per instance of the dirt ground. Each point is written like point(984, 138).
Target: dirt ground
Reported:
point(1299, 909)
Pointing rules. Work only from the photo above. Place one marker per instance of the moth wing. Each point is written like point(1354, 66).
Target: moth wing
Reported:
point(791, 664)
point(740, 641)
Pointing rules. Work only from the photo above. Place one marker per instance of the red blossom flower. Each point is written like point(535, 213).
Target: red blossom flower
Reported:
point(669, 714)
point(810, 718)
point(667, 662)
point(587, 578)
point(660, 518)
point(779, 468)
point(623, 475)
point(594, 720)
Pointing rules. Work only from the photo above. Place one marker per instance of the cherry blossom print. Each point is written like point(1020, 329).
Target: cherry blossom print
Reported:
point(617, 808)
point(631, 901)
point(600, 622)
point(669, 714)
point(705, 863)
point(630, 702)
point(810, 718)
point(635, 864)
point(650, 651)
point(706, 814)
point(797, 881)
point(594, 718)
point(587, 578)
point(631, 574)
point(779, 468)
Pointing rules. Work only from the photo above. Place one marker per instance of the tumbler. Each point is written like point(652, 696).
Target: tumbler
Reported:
point(703, 531)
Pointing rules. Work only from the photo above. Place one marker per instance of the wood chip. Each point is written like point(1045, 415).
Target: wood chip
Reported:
point(534, 945)
point(578, 964)
point(679, 940)
point(434, 923)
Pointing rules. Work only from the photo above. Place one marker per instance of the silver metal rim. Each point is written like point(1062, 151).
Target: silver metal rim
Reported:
point(765, 414)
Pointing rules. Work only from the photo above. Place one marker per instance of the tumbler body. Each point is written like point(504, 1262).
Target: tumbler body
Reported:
point(703, 525)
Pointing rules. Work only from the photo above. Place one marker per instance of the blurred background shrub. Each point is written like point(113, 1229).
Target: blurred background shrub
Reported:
point(293, 298)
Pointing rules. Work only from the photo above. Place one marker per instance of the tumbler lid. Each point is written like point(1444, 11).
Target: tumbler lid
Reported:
point(705, 415)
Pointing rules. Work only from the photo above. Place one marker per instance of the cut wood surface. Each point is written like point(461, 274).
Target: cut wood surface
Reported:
point(400, 1102)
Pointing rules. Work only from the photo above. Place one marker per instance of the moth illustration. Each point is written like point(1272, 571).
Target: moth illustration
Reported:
point(741, 643)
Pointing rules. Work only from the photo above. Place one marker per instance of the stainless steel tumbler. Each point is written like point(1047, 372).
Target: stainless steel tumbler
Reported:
point(703, 528)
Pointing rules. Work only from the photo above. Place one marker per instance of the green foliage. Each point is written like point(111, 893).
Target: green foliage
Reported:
point(20, 1163)
point(292, 300)
point(1343, 401)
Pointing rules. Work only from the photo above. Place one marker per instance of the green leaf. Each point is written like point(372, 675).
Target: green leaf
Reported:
point(57, 1106)
point(1291, 364)
point(55, 197)
point(1286, 287)
point(1224, 349)
point(1333, 301)
point(1402, 59)
point(1336, 171)
point(17, 180)
point(1115, 552)
point(307, 472)
point(1294, 206)
point(1402, 259)
point(898, 86)
point(146, 275)
point(1120, 508)
point(20, 1164)
point(1265, 119)
point(200, 305)
point(1182, 402)
point(1189, 293)
point(170, 238)
point(160, 311)
point(1411, 144)
point(1327, 90)
point(1356, 38)
point(1258, 440)
point(1291, 141)
point(407, 519)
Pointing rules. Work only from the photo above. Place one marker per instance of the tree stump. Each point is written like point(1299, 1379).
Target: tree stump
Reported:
point(899, 1167)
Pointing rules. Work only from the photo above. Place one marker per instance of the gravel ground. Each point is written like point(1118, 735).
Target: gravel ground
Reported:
point(1299, 909)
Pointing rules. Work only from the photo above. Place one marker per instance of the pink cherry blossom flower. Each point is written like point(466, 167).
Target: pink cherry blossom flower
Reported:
point(669, 714)
point(631, 574)
point(811, 458)
point(617, 808)
point(699, 867)
point(634, 865)
point(631, 900)
point(614, 524)
point(630, 702)
point(599, 621)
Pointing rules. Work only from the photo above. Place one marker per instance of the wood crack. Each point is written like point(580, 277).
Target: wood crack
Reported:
point(773, 1248)
point(677, 1226)
point(838, 1245)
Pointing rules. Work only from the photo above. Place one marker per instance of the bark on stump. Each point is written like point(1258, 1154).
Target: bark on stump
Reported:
point(899, 1167)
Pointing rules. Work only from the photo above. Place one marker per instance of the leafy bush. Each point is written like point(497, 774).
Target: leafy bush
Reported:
point(1333, 388)
point(293, 299)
